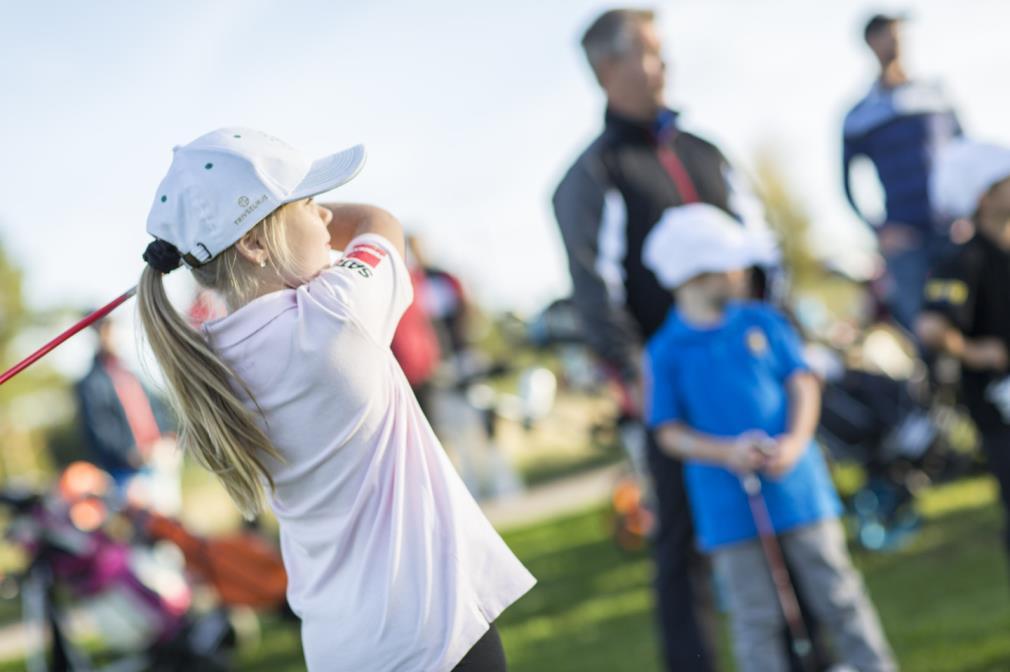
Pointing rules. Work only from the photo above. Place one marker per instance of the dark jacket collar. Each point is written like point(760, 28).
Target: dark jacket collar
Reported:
point(633, 129)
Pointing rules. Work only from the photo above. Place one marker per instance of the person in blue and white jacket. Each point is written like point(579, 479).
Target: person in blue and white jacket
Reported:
point(899, 126)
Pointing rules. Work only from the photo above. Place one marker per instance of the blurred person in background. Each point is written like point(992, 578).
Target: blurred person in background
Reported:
point(967, 297)
point(446, 304)
point(899, 126)
point(642, 164)
point(128, 430)
point(415, 342)
point(730, 393)
point(463, 417)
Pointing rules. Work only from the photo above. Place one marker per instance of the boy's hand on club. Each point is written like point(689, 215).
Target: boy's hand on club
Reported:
point(745, 454)
point(782, 453)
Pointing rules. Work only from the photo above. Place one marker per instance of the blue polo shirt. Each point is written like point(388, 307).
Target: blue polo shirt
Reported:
point(724, 381)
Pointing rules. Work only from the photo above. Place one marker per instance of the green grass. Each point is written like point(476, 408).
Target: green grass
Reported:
point(944, 600)
point(591, 607)
point(553, 467)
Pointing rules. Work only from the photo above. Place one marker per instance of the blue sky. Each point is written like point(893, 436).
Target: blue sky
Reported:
point(471, 112)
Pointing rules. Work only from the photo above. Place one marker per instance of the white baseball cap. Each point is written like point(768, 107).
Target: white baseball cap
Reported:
point(689, 240)
point(963, 172)
point(223, 183)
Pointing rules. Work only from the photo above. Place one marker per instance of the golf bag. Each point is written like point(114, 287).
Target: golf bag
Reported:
point(137, 600)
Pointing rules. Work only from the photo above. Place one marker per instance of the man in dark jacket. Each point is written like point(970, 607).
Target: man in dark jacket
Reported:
point(641, 165)
point(122, 422)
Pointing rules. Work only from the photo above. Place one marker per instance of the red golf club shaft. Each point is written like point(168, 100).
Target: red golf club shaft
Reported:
point(779, 572)
point(48, 347)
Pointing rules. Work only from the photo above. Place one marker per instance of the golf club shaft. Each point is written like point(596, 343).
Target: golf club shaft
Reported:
point(48, 347)
point(802, 644)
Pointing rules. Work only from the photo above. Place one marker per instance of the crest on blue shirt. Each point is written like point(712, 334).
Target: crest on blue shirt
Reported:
point(757, 342)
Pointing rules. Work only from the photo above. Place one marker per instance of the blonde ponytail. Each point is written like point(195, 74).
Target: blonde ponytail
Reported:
point(215, 427)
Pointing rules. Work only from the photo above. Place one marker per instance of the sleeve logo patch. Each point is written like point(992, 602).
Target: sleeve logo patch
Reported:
point(362, 269)
point(362, 259)
point(366, 254)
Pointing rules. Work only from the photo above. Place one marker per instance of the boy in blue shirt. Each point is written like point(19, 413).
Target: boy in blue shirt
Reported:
point(729, 393)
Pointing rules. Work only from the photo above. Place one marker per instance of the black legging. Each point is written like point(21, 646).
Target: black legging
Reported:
point(487, 655)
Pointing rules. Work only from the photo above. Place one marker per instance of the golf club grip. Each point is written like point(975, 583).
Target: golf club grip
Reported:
point(51, 345)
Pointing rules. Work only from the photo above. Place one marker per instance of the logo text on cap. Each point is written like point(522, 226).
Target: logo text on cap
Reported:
point(249, 210)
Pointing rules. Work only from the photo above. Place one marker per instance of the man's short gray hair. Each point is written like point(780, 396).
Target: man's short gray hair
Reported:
point(610, 35)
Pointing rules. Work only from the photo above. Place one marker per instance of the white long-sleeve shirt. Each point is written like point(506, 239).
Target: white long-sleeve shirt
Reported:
point(391, 564)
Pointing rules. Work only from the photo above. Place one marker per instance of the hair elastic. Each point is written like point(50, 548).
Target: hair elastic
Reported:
point(162, 256)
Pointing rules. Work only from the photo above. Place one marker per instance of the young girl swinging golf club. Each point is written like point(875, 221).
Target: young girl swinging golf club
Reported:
point(295, 396)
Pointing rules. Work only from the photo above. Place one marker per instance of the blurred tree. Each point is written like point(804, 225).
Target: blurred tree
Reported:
point(819, 298)
point(33, 401)
point(12, 307)
point(787, 218)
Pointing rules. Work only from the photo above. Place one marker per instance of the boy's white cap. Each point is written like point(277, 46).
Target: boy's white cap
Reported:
point(689, 240)
point(964, 170)
point(223, 183)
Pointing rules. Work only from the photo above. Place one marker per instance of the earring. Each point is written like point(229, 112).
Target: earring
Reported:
point(263, 263)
